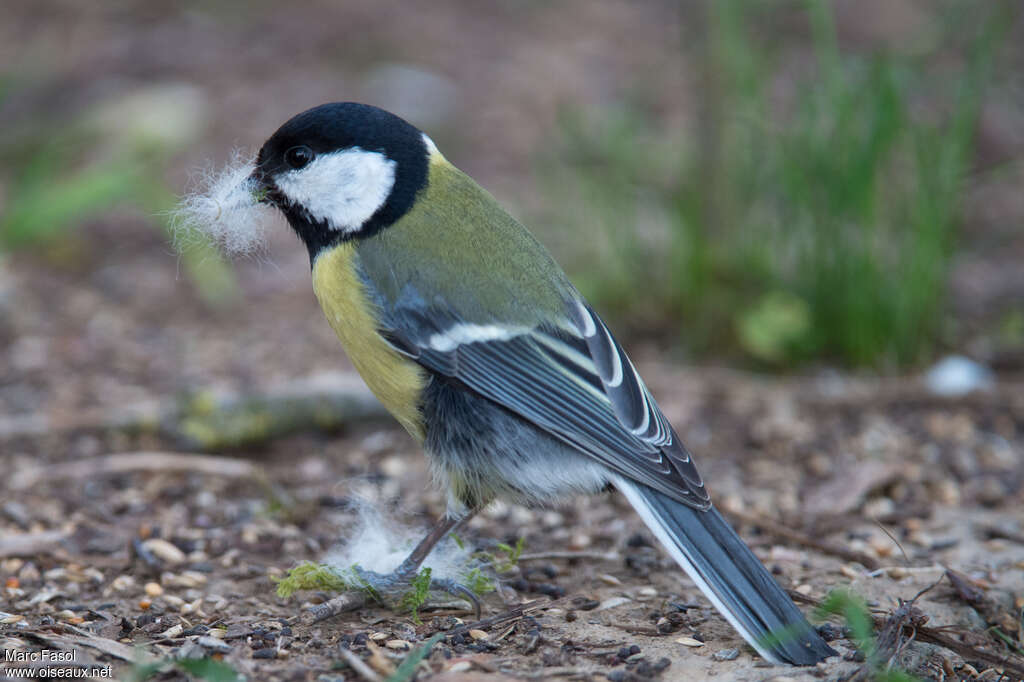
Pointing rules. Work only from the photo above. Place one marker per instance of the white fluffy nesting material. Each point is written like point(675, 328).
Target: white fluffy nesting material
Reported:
point(224, 206)
point(379, 544)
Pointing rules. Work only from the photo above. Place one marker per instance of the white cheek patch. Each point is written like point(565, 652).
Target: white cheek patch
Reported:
point(343, 189)
point(224, 207)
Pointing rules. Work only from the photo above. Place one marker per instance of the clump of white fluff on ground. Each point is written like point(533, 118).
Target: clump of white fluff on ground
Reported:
point(224, 206)
point(380, 544)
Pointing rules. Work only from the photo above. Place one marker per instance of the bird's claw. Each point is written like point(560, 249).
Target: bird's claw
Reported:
point(390, 588)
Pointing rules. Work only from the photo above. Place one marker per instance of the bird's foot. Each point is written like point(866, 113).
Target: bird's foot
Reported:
point(405, 583)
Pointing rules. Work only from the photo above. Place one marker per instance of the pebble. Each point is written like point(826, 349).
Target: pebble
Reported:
point(173, 631)
point(184, 579)
point(612, 603)
point(164, 550)
point(123, 583)
point(804, 589)
point(153, 589)
point(192, 606)
point(956, 375)
point(849, 571)
point(646, 593)
point(579, 541)
point(213, 643)
point(726, 655)
point(689, 641)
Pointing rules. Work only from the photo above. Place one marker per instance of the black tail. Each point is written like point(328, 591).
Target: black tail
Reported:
point(725, 569)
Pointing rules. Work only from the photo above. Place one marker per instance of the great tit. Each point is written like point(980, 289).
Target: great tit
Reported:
point(472, 336)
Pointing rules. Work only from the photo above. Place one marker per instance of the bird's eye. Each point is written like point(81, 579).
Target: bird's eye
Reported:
point(298, 157)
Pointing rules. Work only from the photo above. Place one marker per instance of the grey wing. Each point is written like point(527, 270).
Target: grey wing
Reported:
point(573, 381)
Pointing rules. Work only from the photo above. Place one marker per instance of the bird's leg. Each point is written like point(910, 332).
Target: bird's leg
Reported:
point(401, 578)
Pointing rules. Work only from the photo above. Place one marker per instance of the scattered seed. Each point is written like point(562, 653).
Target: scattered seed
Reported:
point(610, 580)
point(144, 604)
point(689, 641)
point(379, 636)
point(478, 634)
point(460, 667)
point(399, 644)
point(153, 589)
point(804, 589)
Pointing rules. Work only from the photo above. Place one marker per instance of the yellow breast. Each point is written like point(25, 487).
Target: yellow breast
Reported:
point(395, 380)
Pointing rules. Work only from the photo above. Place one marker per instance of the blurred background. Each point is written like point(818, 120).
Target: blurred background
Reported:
point(794, 214)
point(774, 185)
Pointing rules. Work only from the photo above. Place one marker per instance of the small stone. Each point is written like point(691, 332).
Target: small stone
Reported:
point(213, 643)
point(726, 655)
point(172, 600)
point(883, 546)
point(579, 541)
point(804, 589)
point(267, 652)
point(849, 571)
point(173, 631)
point(612, 603)
point(192, 606)
point(153, 589)
point(164, 550)
point(689, 641)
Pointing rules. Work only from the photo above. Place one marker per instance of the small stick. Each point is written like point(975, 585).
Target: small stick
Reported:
point(781, 531)
point(347, 601)
point(569, 556)
point(514, 613)
point(126, 462)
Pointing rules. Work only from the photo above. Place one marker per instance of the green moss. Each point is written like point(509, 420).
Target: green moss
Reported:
point(313, 576)
point(417, 595)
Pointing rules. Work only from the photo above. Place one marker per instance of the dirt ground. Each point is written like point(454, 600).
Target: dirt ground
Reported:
point(119, 544)
point(868, 483)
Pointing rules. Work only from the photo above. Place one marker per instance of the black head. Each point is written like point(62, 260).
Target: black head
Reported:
point(342, 171)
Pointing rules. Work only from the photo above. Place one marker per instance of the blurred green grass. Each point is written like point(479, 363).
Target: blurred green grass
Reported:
point(68, 170)
point(816, 230)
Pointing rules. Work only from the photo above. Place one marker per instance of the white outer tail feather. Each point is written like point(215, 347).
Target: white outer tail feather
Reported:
point(629, 490)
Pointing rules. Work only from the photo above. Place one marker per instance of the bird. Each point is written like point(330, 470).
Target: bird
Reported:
point(474, 339)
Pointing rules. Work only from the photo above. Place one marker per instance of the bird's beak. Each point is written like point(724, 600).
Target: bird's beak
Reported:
point(264, 190)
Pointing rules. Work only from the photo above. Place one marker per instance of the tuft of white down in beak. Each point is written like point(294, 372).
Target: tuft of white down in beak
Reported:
point(224, 206)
